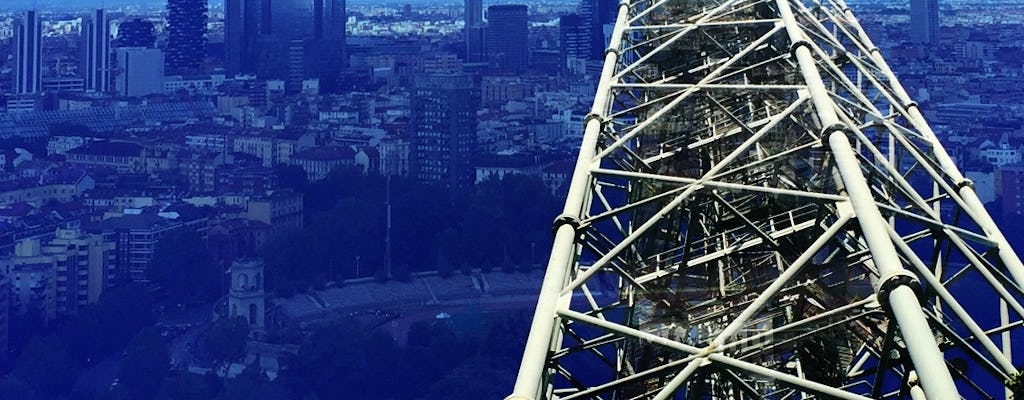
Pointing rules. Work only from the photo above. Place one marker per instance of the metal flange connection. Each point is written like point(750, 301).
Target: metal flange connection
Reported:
point(566, 219)
point(799, 44)
point(893, 280)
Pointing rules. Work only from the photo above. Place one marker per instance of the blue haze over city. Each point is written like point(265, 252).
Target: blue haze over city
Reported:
point(321, 199)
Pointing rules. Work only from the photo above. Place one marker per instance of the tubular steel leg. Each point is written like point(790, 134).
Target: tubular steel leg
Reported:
point(543, 337)
point(905, 307)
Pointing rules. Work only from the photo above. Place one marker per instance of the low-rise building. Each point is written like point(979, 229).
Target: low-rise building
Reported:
point(281, 210)
point(136, 237)
point(319, 161)
point(121, 156)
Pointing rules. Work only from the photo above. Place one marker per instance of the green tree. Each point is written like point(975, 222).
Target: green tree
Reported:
point(251, 384)
point(226, 340)
point(105, 327)
point(477, 378)
point(182, 265)
point(146, 365)
point(291, 177)
point(341, 361)
point(46, 365)
point(188, 386)
point(15, 387)
point(292, 261)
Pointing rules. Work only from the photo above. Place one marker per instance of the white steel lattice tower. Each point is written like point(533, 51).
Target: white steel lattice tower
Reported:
point(759, 210)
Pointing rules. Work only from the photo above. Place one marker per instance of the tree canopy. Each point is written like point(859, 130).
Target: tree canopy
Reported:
point(433, 228)
point(182, 265)
point(225, 342)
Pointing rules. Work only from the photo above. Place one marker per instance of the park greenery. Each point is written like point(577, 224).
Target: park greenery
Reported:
point(499, 223)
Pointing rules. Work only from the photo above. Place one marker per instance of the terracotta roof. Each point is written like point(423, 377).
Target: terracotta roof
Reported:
point(104, 148)
point(325, 154)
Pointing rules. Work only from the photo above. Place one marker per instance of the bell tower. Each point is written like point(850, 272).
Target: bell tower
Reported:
point(246, 297)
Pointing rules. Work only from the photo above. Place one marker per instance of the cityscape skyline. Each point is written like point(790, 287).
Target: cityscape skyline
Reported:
point(380, 165)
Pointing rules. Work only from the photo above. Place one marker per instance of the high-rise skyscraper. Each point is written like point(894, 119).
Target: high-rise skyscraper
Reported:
point(241, 26)
point(575, 42)
point(924, 21)
point(597, 13)
point(329, 19)
point(474, 12)
point(186, 35)
point(474, 31)
point(507, 37)
point(96, 60)
point(28, 35)
point(265, 37)
point(296, 61)
point(443, 123)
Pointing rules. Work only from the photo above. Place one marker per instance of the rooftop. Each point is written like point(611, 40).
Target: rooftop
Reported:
point(105, 148)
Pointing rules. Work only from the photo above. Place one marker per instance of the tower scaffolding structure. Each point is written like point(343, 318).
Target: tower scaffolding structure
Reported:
point(759, 210)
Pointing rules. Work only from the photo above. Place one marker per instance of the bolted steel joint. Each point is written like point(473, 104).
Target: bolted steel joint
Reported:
point(892, 281)
point(565, 219)
point(586, 120)
point(797, 45)
point(964, 183)
point(617, 52)
point(836, 127)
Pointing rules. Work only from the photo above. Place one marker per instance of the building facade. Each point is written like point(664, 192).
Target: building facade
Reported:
point(280, 210)
point(27, 72)
point(61, 275)
point(241, 25)
point(924, 21)
point(186, 35)
point(96, 60)
point(443, 121)
point(474, 31)
point(575, 43)
point(140, 72)
point(507, 40)
point(135, 237)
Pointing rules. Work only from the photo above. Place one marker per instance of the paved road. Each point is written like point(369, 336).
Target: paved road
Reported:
point(99, 377)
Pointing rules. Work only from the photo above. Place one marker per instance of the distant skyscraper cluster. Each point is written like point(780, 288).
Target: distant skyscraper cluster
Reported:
point(186, 35)
point(924, 21)
point(285, 39)
point(584, 37)
point(94, 68)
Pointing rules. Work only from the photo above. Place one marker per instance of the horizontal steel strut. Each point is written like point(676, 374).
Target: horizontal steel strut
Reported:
point(759, 210)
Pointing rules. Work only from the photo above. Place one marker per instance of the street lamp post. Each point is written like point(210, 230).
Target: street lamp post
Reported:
point(357, 266)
